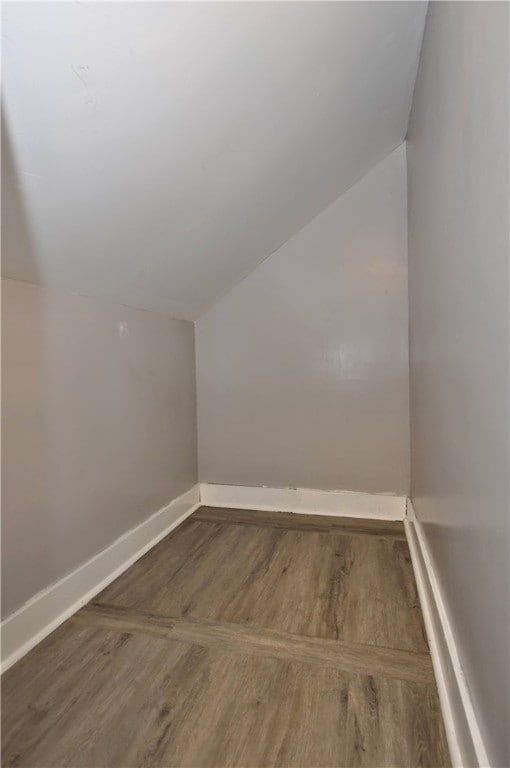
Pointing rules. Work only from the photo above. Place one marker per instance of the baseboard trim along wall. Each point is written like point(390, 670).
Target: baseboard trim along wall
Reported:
point(467, 748)
point(44, 612)
point(304, 500)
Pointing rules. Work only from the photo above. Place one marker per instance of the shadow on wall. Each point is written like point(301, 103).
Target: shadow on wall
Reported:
point(98, 405)
point(23, 440)
point(40, 411)
point(17, 238)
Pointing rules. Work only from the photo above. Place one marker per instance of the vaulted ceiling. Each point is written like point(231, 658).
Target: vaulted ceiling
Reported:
point(155, 153)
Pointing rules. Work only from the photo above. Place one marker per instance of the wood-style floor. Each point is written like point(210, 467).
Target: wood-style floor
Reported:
point(243, 639)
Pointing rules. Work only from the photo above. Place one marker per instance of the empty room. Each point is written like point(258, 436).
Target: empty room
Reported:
point(255, 384)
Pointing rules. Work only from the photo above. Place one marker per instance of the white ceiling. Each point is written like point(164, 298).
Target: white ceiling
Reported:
point(157, 152)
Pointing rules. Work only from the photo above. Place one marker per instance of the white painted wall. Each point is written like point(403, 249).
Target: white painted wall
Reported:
point(98, 428)
point(458, 164)
point(161, 150)
point(303, 367)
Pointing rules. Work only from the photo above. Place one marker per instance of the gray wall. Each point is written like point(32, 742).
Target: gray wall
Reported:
point(98, 431)
point(303, 367)
point(458, 281)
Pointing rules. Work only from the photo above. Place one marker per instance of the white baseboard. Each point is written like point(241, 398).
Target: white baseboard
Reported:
point(304, 500)
point(44, 612)
point(462, 729)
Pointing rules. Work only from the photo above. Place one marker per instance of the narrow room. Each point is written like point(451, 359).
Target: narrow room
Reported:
point(255, 384)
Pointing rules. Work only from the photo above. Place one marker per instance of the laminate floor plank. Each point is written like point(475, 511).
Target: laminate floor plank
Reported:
point(358, 589)
point(236, 638)
point(93, 697)
point(352, 526)
point(250, 642)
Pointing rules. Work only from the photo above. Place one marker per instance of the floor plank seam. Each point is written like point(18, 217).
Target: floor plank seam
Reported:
point(240, 639)
point(218, 648)
point(342, 526)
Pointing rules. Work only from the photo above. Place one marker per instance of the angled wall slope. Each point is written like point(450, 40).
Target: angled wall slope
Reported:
point(302, 368)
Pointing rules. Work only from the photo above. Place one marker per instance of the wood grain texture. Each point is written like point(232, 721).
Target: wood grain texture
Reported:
point(352, 526)
point(236, 645)
point(235, 638)
point(359, 589)
point(93, 697)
